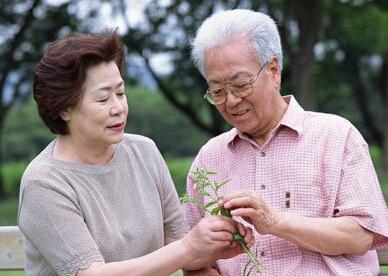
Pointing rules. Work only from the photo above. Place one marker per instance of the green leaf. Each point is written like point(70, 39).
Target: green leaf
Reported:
point(239, 238)
point(211, 203)
point(196, 202)
point(221, 184)
point(215, 211)
point(184, 199)
point(225, 213)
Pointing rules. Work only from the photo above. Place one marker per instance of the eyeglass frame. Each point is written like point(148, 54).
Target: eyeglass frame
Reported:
point(226, 88)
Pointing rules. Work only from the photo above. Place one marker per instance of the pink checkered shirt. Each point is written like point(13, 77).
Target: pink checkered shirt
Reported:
point(313, 164)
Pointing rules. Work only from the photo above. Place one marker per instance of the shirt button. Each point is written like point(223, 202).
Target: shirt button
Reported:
point(262, 154)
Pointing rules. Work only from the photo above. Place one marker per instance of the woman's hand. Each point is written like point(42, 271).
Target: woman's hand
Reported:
point(212, 239)
point(210, 235)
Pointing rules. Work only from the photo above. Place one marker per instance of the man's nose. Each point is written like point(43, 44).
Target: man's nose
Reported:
point(231, 99)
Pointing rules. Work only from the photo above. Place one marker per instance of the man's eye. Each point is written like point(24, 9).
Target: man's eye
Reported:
point(241, 87)
point(217, 92)
point(103, 100)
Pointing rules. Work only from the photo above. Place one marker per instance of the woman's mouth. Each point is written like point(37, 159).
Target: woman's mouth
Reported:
point(117, 127)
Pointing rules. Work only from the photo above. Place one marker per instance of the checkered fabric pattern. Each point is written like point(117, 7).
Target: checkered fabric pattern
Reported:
point(313, 164)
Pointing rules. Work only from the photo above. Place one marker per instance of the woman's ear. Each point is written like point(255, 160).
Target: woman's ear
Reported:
point(65, 115)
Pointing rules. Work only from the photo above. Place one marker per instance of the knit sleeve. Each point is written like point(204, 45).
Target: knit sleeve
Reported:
point(174, 221)
point(51, 220)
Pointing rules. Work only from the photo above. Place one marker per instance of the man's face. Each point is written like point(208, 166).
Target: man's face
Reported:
point(234, 62)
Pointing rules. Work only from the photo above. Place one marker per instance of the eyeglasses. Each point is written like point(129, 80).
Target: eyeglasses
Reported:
point(217, 96)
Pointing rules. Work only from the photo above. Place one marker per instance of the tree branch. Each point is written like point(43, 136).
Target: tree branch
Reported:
point(182, 107)
point(15, 43)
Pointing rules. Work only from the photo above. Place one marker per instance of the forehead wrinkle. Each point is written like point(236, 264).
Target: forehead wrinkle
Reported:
point(110, 87)
point(235, 76)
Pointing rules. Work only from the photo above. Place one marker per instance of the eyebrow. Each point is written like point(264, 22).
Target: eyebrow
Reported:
point(239, 74)
point(108, 88)
point(234, 77)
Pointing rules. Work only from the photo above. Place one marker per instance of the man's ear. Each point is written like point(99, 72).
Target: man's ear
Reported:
point(274, 68)
point(65, 115)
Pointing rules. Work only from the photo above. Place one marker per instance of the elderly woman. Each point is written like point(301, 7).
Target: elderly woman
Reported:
point(97, 201)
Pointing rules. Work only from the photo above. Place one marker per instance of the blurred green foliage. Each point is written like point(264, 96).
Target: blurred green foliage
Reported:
point(8, 211)
point(12, 174)
point(179, 169)
point(149, 114)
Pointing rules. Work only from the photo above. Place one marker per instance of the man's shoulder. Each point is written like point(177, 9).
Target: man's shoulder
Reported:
point(336, 128)
point(327, 121)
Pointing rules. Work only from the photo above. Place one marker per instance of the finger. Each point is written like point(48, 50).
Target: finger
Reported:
point(245, 213)
point(249, 238)
point(222, 245)
point(235, 194)
point(221, 223)
point(246, 201)
point(241, 229)
point(221, 236)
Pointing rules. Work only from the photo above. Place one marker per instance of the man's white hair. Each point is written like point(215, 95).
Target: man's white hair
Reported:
point(222, 26)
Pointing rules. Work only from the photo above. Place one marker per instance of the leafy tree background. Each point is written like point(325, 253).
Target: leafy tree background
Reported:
point(336, 60)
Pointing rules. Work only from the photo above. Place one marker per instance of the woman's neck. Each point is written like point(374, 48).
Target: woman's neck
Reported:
point(69, 149)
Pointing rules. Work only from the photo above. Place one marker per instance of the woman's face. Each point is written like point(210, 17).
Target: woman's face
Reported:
point(100, 117)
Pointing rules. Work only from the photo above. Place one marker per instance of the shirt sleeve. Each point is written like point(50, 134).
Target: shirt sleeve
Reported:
point(174, 221)
point(359, 196)
point(51, 220)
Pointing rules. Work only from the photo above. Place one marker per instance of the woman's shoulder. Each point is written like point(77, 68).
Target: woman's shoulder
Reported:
point(139, 142)
point(40, 165)
point(140, 147)
point(136, 138)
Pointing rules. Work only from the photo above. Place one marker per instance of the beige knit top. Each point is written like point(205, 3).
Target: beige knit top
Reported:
point(72, 214)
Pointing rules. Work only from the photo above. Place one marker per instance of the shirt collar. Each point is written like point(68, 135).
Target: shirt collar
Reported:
point(292, 118)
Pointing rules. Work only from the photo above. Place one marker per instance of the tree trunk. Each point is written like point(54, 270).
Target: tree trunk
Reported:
point(353, 73)
point(384, 74)
point(2, 188)
point(308, 15)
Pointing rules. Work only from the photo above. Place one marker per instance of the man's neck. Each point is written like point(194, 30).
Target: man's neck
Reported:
point(263, 137)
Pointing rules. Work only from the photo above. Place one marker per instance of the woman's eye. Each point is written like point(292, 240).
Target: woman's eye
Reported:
point(103, 100)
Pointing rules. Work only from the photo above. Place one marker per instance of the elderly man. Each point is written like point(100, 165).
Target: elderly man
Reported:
point(303, 180)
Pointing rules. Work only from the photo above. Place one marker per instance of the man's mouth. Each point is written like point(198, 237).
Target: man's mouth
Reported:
point(239, 112)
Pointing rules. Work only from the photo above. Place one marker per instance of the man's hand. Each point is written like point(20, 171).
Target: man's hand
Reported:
point(252, 208)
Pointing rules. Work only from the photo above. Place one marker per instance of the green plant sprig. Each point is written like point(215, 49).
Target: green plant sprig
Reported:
point(205, 187)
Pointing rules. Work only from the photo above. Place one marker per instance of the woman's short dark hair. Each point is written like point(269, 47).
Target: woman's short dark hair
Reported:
point(61, 73)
